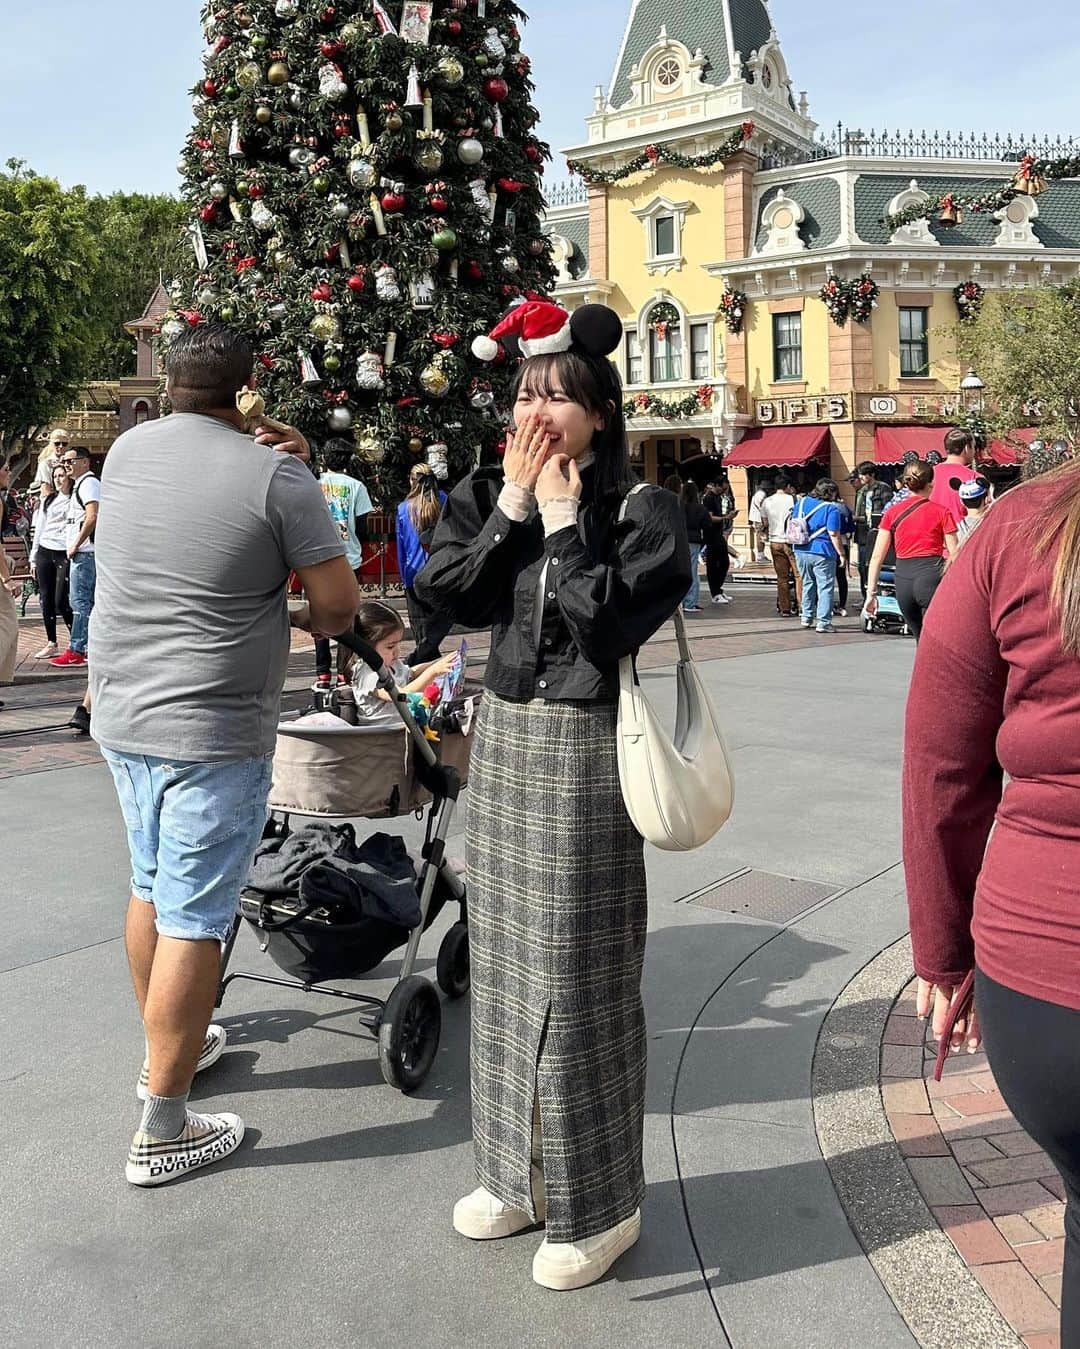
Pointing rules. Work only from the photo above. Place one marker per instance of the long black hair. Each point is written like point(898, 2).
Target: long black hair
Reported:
point(594, 384)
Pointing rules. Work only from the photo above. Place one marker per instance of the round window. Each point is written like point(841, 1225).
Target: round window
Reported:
point(767, 75)
point(668, 72)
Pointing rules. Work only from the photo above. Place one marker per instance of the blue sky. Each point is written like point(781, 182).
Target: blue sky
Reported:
point(96, 93)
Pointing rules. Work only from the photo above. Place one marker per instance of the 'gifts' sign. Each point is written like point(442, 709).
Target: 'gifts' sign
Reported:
point(797, 411)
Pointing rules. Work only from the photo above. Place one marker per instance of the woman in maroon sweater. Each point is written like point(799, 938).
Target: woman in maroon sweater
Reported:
point(993, 870)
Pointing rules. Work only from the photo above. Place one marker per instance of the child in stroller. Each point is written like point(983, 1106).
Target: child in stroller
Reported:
point(383, 629)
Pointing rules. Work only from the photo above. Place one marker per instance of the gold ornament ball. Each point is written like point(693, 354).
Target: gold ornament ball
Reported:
point(450, 70)
point(416, 445)
point(435, 381)
point(263, 115)
point(278, 73)
point(429, 157)
point(325, 328)
point(394, 121)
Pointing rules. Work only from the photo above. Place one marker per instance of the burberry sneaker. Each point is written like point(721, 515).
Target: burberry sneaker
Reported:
point(206, 1139)
point(575, 1264)
point(212, 1050)
point(482, 1217)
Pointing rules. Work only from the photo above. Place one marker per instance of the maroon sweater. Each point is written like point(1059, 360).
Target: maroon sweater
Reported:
point(993, 871)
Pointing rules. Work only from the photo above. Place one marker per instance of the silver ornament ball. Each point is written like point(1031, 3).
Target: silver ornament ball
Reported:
point(339, 419)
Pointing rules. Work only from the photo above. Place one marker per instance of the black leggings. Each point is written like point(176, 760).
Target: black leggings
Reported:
point(52, 581)
point(842, 581)
point(917, 580)
point(1034, 1051)
point(717, 565)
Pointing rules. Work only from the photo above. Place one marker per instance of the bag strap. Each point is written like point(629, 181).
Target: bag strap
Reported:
point(680, 623)
point(904, 514)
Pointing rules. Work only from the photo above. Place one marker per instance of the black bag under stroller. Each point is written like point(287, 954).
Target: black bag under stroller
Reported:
point(332, 925)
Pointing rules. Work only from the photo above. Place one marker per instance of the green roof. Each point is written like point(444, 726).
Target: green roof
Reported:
point(702, 25)
point(574, 229)
point(1058, 223)
point(820, 199)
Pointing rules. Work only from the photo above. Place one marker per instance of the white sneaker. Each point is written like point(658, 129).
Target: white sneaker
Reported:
point(723, 599)
point(212, 1050)
point(575, 1264)
point(482, 1217)
point(47, 652)
point(206, 1139)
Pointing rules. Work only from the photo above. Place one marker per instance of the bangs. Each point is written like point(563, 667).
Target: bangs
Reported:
point(562, 372)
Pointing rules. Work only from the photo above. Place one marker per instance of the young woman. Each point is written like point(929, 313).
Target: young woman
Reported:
point(924, 535)
point(557, 904)
point(49, 559)
point(991, 844)
point(417, 517)
point(697, 524)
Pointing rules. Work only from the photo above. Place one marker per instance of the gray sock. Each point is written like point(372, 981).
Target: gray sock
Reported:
point(164, 1117)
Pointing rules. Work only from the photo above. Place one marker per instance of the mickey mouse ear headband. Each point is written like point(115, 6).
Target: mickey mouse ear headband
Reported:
point(540, 328)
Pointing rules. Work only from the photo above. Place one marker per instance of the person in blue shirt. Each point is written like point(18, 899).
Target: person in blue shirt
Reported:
point(819, 560)
point(417, 517)
point(349, 504)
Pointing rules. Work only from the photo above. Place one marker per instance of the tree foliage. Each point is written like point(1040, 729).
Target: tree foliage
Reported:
point(143, 241)
point(1023, 345)
point(50, 254)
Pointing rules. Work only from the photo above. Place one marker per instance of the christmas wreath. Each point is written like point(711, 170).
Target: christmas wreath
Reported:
point(733, 307)
point(664, 318)
point(969, 297)
point(863, 295)
point(671, 410)
point(834, 296)
point(654, 155)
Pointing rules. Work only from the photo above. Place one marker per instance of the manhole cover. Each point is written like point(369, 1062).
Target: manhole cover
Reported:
point(759, 894)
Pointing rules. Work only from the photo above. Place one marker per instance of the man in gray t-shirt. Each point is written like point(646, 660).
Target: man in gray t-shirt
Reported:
point(198, 530)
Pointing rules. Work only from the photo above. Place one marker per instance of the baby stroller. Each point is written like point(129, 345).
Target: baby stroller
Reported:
point(372, 773)
point(888, 617)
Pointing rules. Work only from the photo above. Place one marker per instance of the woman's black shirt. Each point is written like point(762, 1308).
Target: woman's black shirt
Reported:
point(609, 585)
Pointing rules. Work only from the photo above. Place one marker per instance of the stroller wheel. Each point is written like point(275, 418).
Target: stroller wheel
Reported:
point(409, 1033)
point(453, 966)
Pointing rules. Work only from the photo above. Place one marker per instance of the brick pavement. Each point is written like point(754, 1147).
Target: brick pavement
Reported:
point(995, 1193)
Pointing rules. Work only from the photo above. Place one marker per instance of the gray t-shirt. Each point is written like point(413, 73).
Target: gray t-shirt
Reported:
point(189, 638)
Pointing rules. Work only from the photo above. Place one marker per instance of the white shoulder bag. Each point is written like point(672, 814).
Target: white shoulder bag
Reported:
point(679, 794)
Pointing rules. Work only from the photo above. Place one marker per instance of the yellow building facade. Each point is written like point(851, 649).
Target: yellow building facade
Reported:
point(775, 222)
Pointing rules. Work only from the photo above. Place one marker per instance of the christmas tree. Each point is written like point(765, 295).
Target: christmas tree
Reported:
point(365, 189)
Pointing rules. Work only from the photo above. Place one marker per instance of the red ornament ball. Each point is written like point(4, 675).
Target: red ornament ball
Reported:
point(209, 88)
point(255, 191)
point(496, 90)
point(331, 48)
point(533, 153)
point(439, 204)
point(453, 27)
point(207, 213)
point(472, 271)
point(323, 292)
point(393, 202)
point(356, 282)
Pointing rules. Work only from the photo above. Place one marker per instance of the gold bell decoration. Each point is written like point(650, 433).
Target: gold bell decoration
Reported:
point(1027, 181)
point(951, 214)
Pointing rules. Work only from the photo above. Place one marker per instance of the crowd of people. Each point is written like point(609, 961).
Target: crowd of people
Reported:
point(572, 572)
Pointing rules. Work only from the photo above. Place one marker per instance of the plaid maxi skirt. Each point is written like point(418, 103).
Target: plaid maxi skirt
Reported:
point(557, 919)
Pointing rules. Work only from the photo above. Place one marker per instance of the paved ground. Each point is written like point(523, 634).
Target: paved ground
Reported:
point(331, 1225)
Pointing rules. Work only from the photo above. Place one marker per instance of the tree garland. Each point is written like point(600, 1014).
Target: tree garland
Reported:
point(649, 405)
point(733, 307)
point(1030, 180)
point(969, 296)
point(855, 299)
point(654, 155)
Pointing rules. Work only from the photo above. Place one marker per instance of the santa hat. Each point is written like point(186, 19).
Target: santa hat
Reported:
point(536, 327)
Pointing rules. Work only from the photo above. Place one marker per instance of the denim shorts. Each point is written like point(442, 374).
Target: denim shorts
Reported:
point(192, 833)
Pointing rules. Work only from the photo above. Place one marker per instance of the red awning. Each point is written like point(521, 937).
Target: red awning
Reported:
point(891, 443)
point(1001, 452)
point(780, 447)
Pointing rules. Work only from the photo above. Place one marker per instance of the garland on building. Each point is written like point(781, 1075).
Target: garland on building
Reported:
point(855, 299)
point(1029, 180)
point(649, 405)
point(969, 296)
point(733, 307)
point(655, 155)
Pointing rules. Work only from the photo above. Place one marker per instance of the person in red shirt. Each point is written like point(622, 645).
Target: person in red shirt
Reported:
point(923, 534)
point(991, 811)
point(957, 467)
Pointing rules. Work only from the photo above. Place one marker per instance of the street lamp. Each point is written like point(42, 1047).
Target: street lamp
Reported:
point(971, 386)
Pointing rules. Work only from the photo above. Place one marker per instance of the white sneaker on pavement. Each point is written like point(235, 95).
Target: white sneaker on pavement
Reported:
point(212, 1050)
point(482, 1217)
point(206, 1139)
point(576, 1264)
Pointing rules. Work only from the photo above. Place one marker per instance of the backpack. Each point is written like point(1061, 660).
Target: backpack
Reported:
point(798, 530)
point(82, 504)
